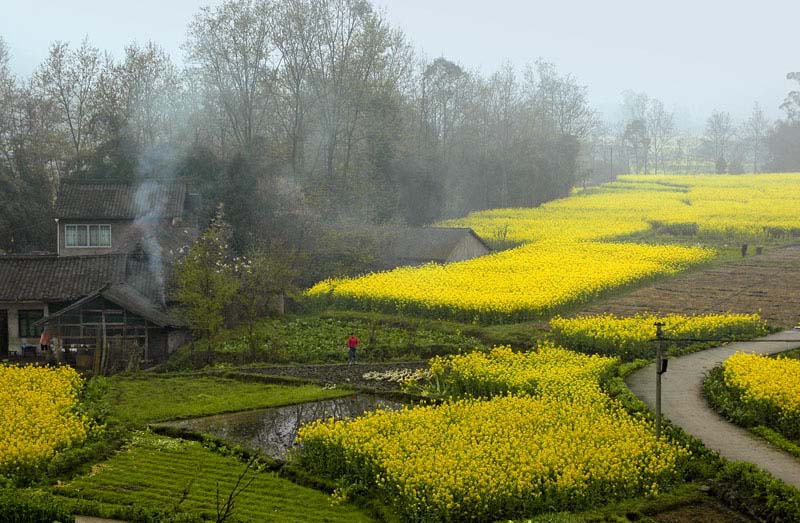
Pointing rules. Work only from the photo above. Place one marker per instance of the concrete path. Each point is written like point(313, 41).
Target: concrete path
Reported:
point(683, 403)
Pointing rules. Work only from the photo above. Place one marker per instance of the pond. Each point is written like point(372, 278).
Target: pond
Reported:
point(273, 430)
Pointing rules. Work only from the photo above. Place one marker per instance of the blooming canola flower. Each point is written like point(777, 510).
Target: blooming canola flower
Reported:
point(569, 250)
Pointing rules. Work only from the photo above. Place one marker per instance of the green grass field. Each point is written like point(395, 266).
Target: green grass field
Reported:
point(141, 399)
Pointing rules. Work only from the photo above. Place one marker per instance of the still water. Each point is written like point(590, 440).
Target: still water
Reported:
point(273, 431)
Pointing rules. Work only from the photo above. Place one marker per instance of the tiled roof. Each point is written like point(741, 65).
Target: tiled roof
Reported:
point(424, 244)
point(394, 246)
point(120, 201)
point(127, 297)
point(53, 278)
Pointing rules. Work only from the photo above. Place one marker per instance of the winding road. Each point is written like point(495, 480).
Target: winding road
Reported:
point(683, 403)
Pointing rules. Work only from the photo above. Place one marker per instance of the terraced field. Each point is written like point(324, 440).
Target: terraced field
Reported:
point(167, 473)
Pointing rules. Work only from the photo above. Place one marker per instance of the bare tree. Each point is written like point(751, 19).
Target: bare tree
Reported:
point(443, 84)
point(7, 94)
point(660, 129)
point(293, 37)
point(755, 134)
point(143, 93)
point(718, 138)
point(502, 127)
point(634, 133)
point(69, 79)
point(231, 48)
point(352, 48)
point(561, 101)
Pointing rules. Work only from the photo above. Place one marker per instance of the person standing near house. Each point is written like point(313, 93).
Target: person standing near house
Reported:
point(45, 339)
point(352, 345)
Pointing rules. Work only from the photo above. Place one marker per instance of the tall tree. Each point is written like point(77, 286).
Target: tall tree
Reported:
point(231, 48)
point(27, 148)
point(783, 140)
point(140, 110)
point(755, 134)
point(351, 59)
point(635, 133)
point(442, 83)
point(69, 79)
point(660, 128)
point(7, 95)
point(791, 104)
point(561, 102)
point(718, 137)
point(293, 37)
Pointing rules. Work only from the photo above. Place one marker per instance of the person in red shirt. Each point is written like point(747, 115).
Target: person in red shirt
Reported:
point(352, 344)
point(44, 340)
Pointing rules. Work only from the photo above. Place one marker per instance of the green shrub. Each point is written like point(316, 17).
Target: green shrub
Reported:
point(752, 491)
point(22, 506)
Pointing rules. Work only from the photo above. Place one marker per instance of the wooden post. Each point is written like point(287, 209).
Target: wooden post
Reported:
point(104, 361)
point(97, 353)
point(659, 358)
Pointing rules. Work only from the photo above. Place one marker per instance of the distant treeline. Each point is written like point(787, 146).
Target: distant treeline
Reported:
point(289, 111)
point(297, 113)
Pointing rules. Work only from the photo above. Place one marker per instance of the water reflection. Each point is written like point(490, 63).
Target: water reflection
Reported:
point(273, 431)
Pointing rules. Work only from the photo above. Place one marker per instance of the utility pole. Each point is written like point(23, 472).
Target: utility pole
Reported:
point(611, 174)
point(660, 369)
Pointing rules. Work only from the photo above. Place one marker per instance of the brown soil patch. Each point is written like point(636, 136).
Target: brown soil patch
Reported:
point(342, 374)
point(768, 284)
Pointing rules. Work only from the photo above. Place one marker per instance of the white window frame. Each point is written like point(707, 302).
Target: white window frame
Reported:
point(88, 244)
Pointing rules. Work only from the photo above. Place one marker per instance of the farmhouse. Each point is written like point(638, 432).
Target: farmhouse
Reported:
point(102, 217)
point(125, 326)
point(103, 294)
point(388, 247)
point(32, 287)
point(420, 245)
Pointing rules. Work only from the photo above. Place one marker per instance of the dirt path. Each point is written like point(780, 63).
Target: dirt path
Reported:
point(684, 405)
point(768, 283)
point(90, 519)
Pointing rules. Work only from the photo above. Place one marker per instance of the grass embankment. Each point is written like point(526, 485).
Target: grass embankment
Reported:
point(140, 399)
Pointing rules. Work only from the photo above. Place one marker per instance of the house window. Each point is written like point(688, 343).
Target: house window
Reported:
point(87, 235)
point(27, 318)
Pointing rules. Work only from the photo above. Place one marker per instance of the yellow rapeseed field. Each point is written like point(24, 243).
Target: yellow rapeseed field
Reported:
point(549, 370)
point(38, 415)
point(720, 205)
point(773, 383)
point(516, 284)
point(555, 442)
point(568, 255)
point(632, 337)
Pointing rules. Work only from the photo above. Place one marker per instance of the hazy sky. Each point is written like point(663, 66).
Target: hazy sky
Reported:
point(694, 55)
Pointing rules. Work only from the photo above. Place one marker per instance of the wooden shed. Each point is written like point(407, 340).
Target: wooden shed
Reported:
point(113, 329)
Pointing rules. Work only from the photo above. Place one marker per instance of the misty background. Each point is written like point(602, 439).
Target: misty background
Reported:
point(303, 116)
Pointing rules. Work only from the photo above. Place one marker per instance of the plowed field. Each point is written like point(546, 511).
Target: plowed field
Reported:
point(768, 284)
